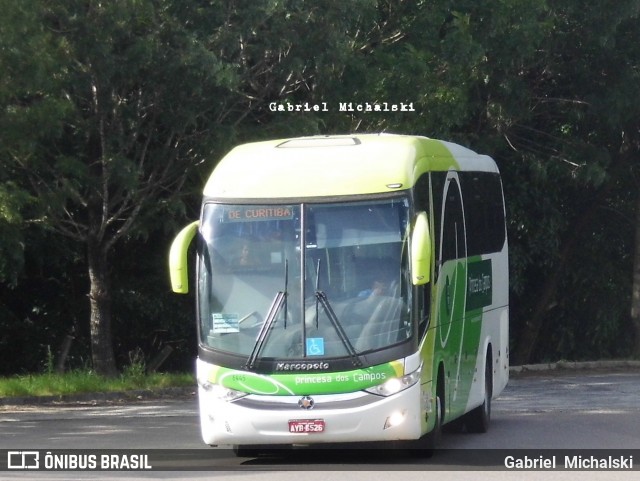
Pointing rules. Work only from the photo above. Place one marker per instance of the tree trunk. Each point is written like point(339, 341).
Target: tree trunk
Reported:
point(635, 290)
point(100, 299)
point(64, 353)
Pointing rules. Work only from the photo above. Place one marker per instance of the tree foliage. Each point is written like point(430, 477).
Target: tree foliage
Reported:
point(113, 113)
point(104, 134)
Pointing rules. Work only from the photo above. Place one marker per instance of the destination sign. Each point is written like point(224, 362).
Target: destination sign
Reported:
point(244, 213)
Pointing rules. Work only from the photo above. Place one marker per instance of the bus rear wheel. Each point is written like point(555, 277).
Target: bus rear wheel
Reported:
point(477, 421)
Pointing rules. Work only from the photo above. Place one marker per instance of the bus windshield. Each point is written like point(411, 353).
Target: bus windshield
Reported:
point(304, 281)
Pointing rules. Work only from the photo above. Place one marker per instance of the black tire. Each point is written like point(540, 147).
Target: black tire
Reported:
point(435, 436)
point(248, 451)
point(255, 450)
point(427, 444)
point(477, 421)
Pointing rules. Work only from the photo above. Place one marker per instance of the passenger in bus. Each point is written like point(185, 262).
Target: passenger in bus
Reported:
point(246, 256)
point(378, 288)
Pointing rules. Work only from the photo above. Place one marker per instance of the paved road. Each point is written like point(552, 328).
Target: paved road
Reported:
point(566, 410)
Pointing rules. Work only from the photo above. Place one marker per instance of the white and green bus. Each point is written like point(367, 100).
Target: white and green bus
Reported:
point(348, 289)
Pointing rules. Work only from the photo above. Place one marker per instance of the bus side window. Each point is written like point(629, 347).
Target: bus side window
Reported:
point(484, 212)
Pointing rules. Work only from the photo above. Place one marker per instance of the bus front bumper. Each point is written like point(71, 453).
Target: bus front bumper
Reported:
point(335, 418)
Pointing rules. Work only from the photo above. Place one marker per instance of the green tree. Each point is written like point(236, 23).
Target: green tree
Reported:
point(550, 90)
point(102, 118)
point(587, 122)
point(108, 108)
point(110, 111)
point(12, 203)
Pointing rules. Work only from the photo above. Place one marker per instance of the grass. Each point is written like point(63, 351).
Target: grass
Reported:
point(84, 381)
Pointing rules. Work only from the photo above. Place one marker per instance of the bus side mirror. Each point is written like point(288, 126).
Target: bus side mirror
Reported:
point(420, 251)
point(178, 266)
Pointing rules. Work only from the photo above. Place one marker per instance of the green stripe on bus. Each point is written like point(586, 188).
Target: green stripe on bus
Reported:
point(304, 383)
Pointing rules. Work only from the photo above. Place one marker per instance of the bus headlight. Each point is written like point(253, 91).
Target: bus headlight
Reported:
point(221, 392)
point(395, 419)
point(395, 384)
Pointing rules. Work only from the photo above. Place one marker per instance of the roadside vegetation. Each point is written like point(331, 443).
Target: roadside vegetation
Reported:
point(51, 383)
point(85, 381)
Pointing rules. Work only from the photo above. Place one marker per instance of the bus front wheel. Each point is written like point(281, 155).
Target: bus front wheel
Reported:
point(249, 451)
point(428, 443)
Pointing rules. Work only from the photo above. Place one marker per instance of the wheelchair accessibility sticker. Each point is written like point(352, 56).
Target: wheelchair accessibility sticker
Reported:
point(315, 346)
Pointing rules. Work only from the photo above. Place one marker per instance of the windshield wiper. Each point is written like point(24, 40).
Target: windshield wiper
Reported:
point(321, 297)
point(264, 330)
point(278, 301)
point(317, 290)
point(286, 289)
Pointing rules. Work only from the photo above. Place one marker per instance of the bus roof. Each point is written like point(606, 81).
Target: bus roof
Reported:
point(337, 165)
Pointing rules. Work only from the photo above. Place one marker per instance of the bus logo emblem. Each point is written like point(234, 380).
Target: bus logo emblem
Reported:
point(306, 402)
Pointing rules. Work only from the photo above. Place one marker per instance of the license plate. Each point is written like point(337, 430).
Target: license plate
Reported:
point(306, 426)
